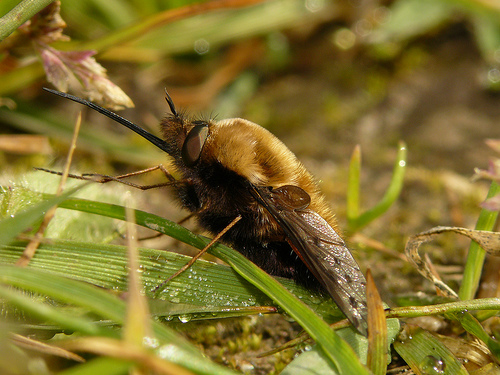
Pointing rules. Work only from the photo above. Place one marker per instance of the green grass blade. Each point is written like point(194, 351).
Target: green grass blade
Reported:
point(12, 226)
point(334, 348)
point(205, 290)
point(47, 313)
point(444, 308)
point(476, 255)
point(425, 354)
point(107, 306)
point(390, 196)
point(475, 328)
point(337, 350)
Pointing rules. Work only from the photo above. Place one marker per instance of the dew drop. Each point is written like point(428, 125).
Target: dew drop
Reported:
point(494, 75)
point(201, 46)
point(431, 365)
point(168, 351)
point(184, 318)
point(314, 6)
point(315, 299)
point(150, 342)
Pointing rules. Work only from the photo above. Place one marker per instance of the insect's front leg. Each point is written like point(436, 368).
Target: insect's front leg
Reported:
point(102, 179)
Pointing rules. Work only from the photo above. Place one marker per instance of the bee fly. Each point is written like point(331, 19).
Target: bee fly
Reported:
point(235, 167)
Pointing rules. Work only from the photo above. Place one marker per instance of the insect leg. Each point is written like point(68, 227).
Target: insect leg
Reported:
point(100, 178)
point(160, 287)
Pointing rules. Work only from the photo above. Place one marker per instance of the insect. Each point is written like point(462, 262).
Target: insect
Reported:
point(235, 167)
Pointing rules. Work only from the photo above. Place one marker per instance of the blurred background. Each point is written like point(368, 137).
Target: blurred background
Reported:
point(322, 75)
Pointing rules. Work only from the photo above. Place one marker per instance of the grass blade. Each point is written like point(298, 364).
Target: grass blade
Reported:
point(425, 354)
point(334, 348)
point(476, 255)
point(12, 226)
point(107, 306)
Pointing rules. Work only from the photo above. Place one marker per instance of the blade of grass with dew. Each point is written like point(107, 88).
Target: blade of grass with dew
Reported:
point(47, 313)
point(207, 290)
point(326, 308)
point(392, 193)
point(475, 256)
point(108, 306)
point(472, 325)
point(12, 226)
point(335, 348)
point(425, 354)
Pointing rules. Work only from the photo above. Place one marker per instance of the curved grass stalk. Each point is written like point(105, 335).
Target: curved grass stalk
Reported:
point(356, 220)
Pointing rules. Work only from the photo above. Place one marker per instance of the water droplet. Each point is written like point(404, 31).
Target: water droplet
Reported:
point(201, 46)
point(344, 38)
point(314, 6)
point(363, 27)
point(431, 365)
point(315, 299)
point(168, 351)
point(150, 342)
point(246, 367)
point(494, 75)
point(184, 318)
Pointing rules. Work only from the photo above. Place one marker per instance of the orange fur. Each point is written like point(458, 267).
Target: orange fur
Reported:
point(257, 155)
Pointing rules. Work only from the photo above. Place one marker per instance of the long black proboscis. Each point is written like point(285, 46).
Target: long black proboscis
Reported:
point(158, 142)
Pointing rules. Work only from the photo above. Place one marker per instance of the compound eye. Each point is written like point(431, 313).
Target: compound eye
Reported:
point(193, 144)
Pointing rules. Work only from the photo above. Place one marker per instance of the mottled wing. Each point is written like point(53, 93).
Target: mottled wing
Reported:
point(325, 254)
